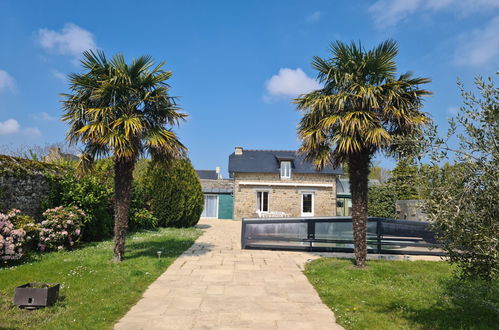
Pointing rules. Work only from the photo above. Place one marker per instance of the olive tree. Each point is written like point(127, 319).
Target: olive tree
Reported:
point(462, 199)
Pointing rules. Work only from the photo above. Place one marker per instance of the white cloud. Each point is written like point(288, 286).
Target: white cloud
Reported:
point(59, 75)
point(45, 116)
point(478, 47)
point(31, 132)
point(314, 17)
point(7, 82)
point(290, 83)
point(387, 13)
point(71, 40)
point(11, 126)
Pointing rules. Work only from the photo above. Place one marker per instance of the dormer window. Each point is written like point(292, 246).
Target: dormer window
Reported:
point(285, 169)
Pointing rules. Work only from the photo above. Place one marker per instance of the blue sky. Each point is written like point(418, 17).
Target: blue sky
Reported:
point(236, 64)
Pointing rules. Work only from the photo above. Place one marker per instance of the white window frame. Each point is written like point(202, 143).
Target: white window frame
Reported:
point(260, 207)
point(307, 214)
point(211, 195)
point(285, 170)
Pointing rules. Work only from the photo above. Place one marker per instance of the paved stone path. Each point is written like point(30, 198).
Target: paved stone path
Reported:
point(216, 285)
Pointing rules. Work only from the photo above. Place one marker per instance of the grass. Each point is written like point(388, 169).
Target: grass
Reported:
point(94, 292)
point(403, 295)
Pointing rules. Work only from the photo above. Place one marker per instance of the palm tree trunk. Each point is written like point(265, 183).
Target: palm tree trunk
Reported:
point(358, 167)
point(123, 169)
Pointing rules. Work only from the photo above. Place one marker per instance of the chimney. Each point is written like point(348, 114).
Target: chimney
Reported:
point(217, 170)
point(238, 151)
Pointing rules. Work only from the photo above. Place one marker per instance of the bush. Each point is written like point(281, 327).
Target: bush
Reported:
point(382, 201)
point(93, 194)
point(142, 219)
point(61, 229)
point(30, 227)
point(140, 216)
point(11, 239)
point(174, 193)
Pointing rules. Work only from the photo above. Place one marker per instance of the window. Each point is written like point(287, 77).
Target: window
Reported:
point(210, 206)
point(262, 201)
point(307, 204)
point(343, 206)
point(286, 169)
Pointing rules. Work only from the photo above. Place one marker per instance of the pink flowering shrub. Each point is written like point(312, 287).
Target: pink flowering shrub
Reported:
point(61, 228)
point(11, 239)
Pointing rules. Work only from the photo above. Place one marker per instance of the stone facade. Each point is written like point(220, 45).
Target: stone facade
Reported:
point(24, 184)
point(284, 194)
point(410, 209)
point(220, 185)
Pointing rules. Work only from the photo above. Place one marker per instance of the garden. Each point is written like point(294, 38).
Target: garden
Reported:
point(70, 243)
point(94, 292)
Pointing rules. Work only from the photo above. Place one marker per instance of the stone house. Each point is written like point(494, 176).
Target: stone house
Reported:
point(276, 181)
point(217, 191)
point(55, 155)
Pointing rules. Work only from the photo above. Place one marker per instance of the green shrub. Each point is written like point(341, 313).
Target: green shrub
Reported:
point(93, 194)
point(142, 219)
point(140, 216)
point(382, 201)
point(174, 193)
point(30, 227)
point(61, 228)
point(12, 240)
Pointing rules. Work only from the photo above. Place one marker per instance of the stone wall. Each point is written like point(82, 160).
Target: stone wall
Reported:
point(24, 184)
point(410, 209)
point(284, 198)
point(223, 185)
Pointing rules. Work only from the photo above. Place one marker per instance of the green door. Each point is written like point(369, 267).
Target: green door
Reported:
point(225, 206)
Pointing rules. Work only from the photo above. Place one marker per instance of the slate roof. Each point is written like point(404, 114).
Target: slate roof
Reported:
point(207, 174)
point(268, 161)
point(221, 186)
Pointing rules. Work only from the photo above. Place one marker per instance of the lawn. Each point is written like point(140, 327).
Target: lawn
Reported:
point(95, 292)
point(403, 295)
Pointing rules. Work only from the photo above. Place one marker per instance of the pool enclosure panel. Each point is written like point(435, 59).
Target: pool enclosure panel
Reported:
point(387, 236)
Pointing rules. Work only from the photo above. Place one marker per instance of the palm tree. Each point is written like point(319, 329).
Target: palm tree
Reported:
point(123, 110)
point(363, 108)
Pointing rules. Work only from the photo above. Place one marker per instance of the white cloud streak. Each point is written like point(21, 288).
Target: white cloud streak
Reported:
point(387, 13)
point(290, 83)
point(59, 75)
point(45, 116)
point(71, 40)
point(314, 17)
point(11, 126)
point(7, 82)
point(478, 47)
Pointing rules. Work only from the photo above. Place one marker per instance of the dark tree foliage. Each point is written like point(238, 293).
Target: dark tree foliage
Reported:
point(382, 201)
point(174, 193)
point(404, 180)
